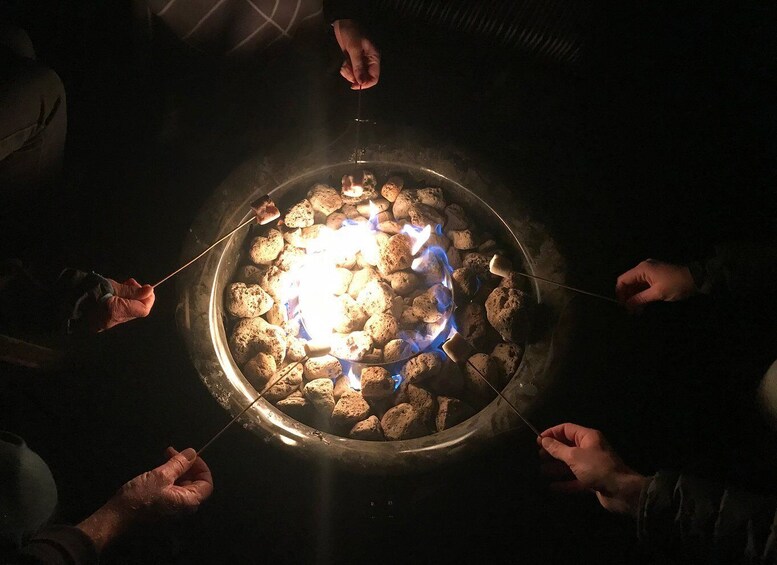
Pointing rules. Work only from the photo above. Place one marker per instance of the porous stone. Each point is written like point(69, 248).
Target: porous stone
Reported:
point(432, 196)
point(422, 367)
point(402, 422)
point(456, 219)
point(296, 406)
point(454, 258)
point(479, 367)
point(423, 215)
point(512, 280)
point(349, 316)
point(465, 284)
point(353, 346)
point(472, 322)
point(433, 305)
point(254, 335)
point(421, 399)
point(396, 350)
point(350, 409)
point(478, 263)
point(324, 199)
point(506, 309)
point(335, 220)
point(507, 358)
point(404, 200)
point(376, 383)
point(320, 393)
point(300, 215)
point(463, 239)
point(381, 327)
point(448, 382)
point(290, 382)
point(396, 255)
point(259, 370)
point(324, 367)
point(392, 188)
point(295, 349)
point(250, 274)
point(378, 205)
point(290, 258)
point(360, 280)
point(342, 385)
point(247, 300)
point(342, 281)
point(265, 248)
point(276, 283)
point(391, 227)
point(367, 430)
point(375, 297)
point(276, 315)
point(451, 411)
point(431, 267)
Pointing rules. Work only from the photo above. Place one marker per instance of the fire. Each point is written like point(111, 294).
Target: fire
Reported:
point(418, 236)
point(353, 381)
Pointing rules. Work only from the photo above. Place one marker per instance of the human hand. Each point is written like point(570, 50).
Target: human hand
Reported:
point(130, 300)
point(652, 281)
point(580, 459)
point(362, 59)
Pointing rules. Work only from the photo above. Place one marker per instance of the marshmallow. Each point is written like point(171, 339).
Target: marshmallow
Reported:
point(500, 266)
point(457, 348)
point(265, 210)
point(314, 349)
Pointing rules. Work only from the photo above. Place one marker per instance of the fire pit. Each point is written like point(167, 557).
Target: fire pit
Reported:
point(380, 277)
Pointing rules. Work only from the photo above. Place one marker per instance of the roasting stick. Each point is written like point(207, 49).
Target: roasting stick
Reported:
point(501, 266)
point(459, 350)
point(265, 212)
point(312, 350)
point(358, 121)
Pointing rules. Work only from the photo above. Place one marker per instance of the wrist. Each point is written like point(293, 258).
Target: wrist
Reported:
point(108, 522)
point(630, 489)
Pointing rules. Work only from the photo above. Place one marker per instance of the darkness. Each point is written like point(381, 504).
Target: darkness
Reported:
point(661, 142)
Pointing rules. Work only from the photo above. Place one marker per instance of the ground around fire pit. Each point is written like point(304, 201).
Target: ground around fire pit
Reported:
point(648, 162)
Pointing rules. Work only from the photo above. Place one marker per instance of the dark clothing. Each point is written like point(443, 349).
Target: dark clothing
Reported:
point(57, 545)
point(703, 521)
point(738, 269)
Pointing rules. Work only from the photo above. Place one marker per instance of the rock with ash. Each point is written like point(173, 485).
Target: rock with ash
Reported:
point(402, 204)
point(381, 328)
point(259, 370)
point(423, 215)
point(254, 335)
point(324, 199)
point(480, 366)
point(247, 300)
point(320, 394)
point(402, 422)
point(454, 258)
point(478, 263)
point(376, 383)
point(360, 280)
point(433, 305)
point(265, 249)
point(451, 411)
point(276, 315)
point(396, 255)
point(421, 399)
point(342, 281)
point(367, 430)
point(513, 280)
point(448, 382)
point(367, 209)
point(350, 409)
point(432, 197)
point(507, 312)
point(300, 215)
point(507, 357)
point(392, 188)
point(325, 367)
point(275, 282)
point(463, 239)
point(296, 406)
point(250, 274)
point(397, 349)
point(342, 385)
point(465, 284)
point(295, 349)
point(291, 381)
point(375, 297)
point(354, 346)
point(455, 218)
point(422, 367)
point(290, 258)
point(472, 322)
point(403, 282)
point(349, 316)
point(335, 220)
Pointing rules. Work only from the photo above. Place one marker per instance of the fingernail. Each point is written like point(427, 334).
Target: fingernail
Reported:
point(189, 453)
point(546, 442)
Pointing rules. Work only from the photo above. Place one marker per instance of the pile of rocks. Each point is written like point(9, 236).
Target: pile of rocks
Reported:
point(385, 293)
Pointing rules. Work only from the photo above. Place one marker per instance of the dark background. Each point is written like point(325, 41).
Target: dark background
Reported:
point(660, 142)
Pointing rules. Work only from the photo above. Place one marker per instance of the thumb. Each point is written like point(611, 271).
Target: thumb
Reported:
point(357, 64)
point(177, 465)
point(652, 294)
point(557, 450)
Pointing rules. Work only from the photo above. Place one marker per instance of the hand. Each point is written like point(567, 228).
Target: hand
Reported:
point(180, 485)
point(130, 300)
point(651, 281)
point(362, 60)
point(581, 459)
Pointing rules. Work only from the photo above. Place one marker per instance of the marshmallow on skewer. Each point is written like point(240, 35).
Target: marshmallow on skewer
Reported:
point(316, 349)
point(265, 210)
point(500, 266)
point(457, 348)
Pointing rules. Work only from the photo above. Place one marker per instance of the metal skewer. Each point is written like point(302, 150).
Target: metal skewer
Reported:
point(358, 121)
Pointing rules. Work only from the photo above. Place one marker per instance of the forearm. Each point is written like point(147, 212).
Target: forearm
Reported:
point(738, 268)
point(106, 524)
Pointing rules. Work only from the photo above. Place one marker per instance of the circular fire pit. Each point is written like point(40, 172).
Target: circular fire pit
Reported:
point(208, 327)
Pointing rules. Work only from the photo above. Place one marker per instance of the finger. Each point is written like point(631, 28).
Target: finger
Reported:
point(124, 310)
point(567, 487)
point(556, 469)
point(570, 434)
point(134, 292)
point(347, 72)
point(199, 471)
point(192, 494)
point(558, 450)
point(176, 466)
point(131, 282)
point(635, 275)
point(652, 294)
point(357, 64)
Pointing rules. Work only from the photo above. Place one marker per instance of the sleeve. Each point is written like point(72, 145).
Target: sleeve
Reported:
point(344, 10)
point(738, 268)
point(77, 291)
point(704, 521)
point(58, 545)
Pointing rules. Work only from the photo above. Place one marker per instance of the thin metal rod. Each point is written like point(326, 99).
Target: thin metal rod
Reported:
point(572, 288)
point(179, 269)
point(502, 396)
point(255, 400)
point(358, 124)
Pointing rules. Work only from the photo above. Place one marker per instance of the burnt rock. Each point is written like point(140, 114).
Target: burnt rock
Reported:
point(402, 422)
point(451, 411)
point(506, 309)
point(376, 383)
point(367, 430)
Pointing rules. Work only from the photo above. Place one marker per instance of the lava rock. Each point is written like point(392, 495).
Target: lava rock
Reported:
point(465, 284)
point(432, 197)
point(431, 267)
point(265, 249)
point(404, 200)
point(378, 205)
point(291, 381)
point(403, 282)
point(463, 239)
point(324, 199)
point(433, 305)
point(376, 383)
point(300, 215)
point(422, 215)
point(451, 411)
point(247, 300)
point(367, 430)
point(276, 282)
point(478, 263)
point(507, 357)
point(350, 409)
point(350, 316)
point(295, 348)
point(354, 346)
point(335, 220)
point(392, 188)
point(290, 258)
point(342, 385)
point(421, 367)
point(448, 382)
point(254, 335)
point(360, 279)
point(421, 399)
point(397, 349)
point(320, 393)
point(259, 370)
point(506, 309)
point(478, 367)
point(325, 367)
point(456, 219)
point(381, 328)
point(396, 255)
point(375, 297)
point(276, 315)
point(250, 274)
point(402, 422)
point(454, 258)
point(472, 322)
point(295, 406)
